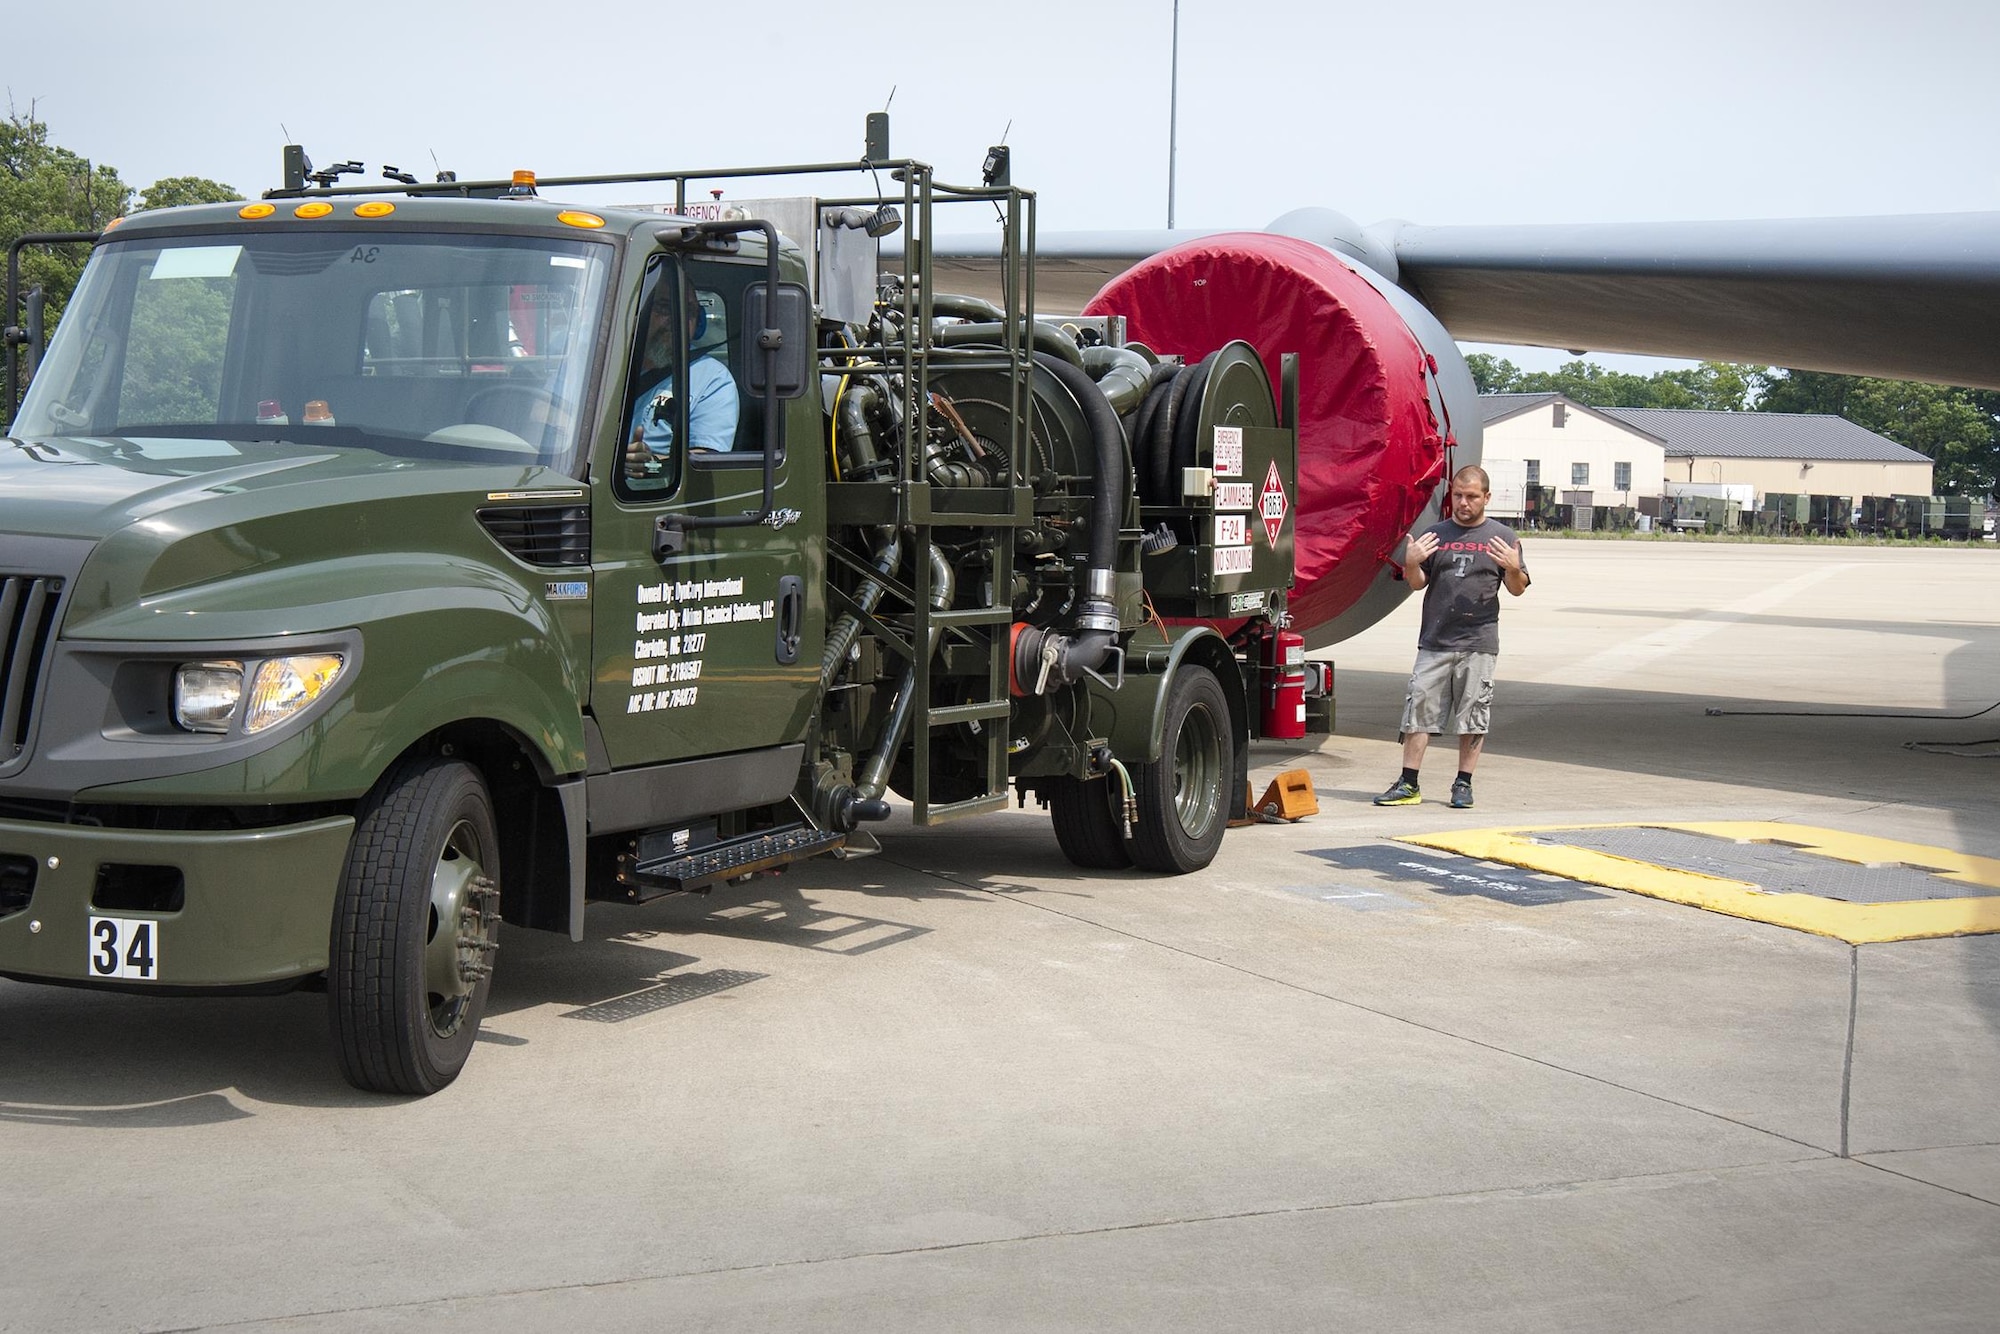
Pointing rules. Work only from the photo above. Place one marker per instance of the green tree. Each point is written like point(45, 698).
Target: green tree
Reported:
point(1491, 374)
point(1804, 391)
point(1958, 429)
point(48, 188)
point(173, 191)
point(1589, 383)
point(1717, 386)
point(1713, 384)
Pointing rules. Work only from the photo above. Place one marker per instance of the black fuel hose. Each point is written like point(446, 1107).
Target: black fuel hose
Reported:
point(1044, 338)
point(1107, 501)
point(1153, 484)
point(1187, 422)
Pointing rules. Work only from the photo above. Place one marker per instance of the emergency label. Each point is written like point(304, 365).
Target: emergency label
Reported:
point(1228, 451)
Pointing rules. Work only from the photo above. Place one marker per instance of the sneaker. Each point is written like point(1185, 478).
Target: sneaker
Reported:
point(1400, 793)
point(1461, 795)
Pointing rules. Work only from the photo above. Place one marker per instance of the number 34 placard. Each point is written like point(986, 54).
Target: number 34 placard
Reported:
point(126, 947)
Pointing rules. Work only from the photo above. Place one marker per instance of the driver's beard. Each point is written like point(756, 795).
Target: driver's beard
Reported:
point(660, 349)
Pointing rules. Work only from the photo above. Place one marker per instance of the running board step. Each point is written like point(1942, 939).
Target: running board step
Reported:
point(642, 881)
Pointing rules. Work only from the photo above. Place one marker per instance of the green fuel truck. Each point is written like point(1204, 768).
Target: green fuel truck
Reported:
point(367, 581)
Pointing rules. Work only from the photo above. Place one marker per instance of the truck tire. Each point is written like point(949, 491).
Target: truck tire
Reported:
point(414, 929)
point(1184, 794)
point(1087, 825)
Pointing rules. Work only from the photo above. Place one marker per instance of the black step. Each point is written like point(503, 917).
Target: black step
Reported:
point(723, 861)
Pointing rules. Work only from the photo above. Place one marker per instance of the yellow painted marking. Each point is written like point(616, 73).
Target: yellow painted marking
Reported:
point(1855, 923)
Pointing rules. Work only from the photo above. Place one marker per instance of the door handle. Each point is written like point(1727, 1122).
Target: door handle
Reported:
point(791, 617)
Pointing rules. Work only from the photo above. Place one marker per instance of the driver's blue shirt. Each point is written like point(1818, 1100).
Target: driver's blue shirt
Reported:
point(712, 412)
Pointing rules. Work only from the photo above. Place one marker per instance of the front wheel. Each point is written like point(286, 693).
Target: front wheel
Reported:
point(414, 929)
point(1184, 794)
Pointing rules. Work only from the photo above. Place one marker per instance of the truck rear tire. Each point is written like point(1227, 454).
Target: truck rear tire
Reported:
point(414, 929)
point(1087, 825)
point(1184, 794)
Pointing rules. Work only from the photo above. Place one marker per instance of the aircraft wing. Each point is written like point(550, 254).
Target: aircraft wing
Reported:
point(1069, 266)
point(1909, 298)
point(1914, 297)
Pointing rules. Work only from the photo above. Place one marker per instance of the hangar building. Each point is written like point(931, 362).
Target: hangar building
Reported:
point(1626, 456)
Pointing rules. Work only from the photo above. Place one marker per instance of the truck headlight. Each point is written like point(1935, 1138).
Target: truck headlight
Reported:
point(206, 694)
point(283, 686)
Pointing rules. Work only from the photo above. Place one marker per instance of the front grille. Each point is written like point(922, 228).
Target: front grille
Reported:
point(28, 606)
point(17, 883)
point(541, 534)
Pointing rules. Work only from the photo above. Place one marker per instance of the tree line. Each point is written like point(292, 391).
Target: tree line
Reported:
point(1958, 429)
point(45, 187)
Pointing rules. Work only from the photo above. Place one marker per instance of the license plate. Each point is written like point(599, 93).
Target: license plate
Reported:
point(125, 947)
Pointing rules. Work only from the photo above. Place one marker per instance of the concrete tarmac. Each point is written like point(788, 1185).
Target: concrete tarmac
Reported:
point(963, 1085)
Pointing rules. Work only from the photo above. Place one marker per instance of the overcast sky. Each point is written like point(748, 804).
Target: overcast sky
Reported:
point(1443, 113)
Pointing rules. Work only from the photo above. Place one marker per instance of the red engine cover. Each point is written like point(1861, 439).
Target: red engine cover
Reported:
point(1369, 449)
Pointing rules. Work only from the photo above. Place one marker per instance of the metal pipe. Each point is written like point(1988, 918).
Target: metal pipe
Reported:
point(841, 638)
point(1173, 111)
point(1121, 373)
point(857, 432)
point(1045, 337)
point(953, 305)
point(874, 779)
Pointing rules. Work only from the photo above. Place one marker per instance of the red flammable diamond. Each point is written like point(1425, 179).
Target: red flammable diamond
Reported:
point(1271, 504)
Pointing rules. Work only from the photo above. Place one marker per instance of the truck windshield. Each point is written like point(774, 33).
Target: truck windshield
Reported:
point(462, 347)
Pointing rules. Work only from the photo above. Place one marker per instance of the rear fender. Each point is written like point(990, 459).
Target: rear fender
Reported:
point(1134, 716)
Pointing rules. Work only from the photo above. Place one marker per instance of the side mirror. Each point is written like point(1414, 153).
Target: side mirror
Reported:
point(37, 340)
point(777, 339)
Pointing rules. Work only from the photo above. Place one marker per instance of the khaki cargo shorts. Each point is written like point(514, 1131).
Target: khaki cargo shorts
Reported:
point(1450, 694)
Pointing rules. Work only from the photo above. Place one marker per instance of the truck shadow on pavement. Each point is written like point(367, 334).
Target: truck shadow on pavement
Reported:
point(634, 964)
point(100, 1060)
point(95, 1060)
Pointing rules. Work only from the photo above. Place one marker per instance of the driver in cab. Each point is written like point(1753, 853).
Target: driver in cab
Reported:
point(712, 405)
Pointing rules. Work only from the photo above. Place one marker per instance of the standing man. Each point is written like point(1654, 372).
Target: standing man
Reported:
point(1460, 564)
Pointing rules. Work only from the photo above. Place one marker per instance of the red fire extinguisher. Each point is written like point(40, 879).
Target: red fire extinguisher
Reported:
point(1284, 685)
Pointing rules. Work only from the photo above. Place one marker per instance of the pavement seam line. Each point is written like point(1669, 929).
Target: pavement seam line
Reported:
point(1920, 1181)
point(1061, 1234)
point(1847, 1060)
point(1367, 1009)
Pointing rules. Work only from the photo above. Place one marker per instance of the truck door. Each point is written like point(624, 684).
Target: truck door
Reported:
point(716, 647)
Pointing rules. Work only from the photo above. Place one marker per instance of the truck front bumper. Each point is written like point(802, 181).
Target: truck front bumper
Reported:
point(233, 908)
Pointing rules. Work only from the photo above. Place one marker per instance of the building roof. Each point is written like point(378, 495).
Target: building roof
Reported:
point(1492, 407)
point(1687, 432)
point(1764, 435)
point(1499, 407)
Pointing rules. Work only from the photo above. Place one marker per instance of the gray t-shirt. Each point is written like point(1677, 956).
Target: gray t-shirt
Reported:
point(1462, 599)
